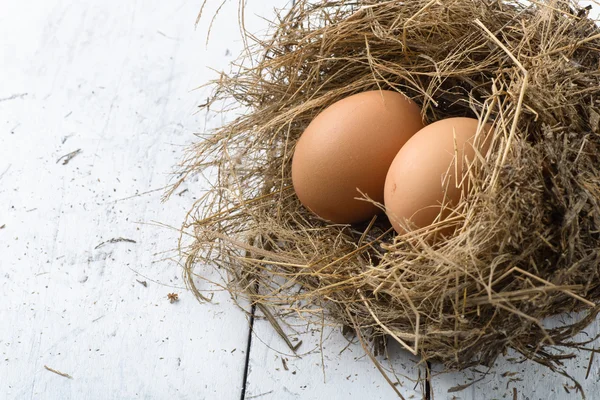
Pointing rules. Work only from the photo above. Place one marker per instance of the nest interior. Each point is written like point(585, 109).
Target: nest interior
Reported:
point(528, 244)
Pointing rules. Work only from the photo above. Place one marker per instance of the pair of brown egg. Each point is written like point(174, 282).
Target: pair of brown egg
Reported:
point(374, 144)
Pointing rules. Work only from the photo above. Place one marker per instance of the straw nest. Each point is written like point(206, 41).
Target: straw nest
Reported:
point(528, 244)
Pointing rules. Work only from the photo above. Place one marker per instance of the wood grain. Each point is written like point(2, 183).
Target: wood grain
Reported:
point(96, 106)
point(110, 83)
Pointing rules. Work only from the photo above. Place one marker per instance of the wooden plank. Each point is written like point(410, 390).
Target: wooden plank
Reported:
point(113, 80)
point(348, 372)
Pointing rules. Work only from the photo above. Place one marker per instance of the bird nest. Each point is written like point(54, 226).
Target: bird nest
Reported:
point(528, 244)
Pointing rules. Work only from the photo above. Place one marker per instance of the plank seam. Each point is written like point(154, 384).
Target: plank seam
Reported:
point(248, 348)
point(428, 382)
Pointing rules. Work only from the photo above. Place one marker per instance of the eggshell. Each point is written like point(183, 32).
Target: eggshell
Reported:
point(349, 146)
point(426, 176)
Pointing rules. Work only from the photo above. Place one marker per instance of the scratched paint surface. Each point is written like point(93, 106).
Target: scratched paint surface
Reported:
point(96, 106)
point(114, 80)
point(276, 373)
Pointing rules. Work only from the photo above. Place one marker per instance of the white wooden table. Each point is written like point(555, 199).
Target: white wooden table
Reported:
point(85, 268)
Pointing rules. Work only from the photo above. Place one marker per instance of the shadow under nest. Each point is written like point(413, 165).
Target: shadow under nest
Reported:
point(528, 244)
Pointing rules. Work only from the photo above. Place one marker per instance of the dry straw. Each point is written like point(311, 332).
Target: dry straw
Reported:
point(528, 242)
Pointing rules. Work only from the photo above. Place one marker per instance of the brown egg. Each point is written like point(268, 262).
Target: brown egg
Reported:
point(425, 177)
point(350, 146)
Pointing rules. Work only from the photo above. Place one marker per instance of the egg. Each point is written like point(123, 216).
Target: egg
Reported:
point(348, 148)
point(429, 174)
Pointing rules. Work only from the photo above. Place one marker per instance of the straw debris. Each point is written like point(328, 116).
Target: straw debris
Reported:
point(528, 241)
